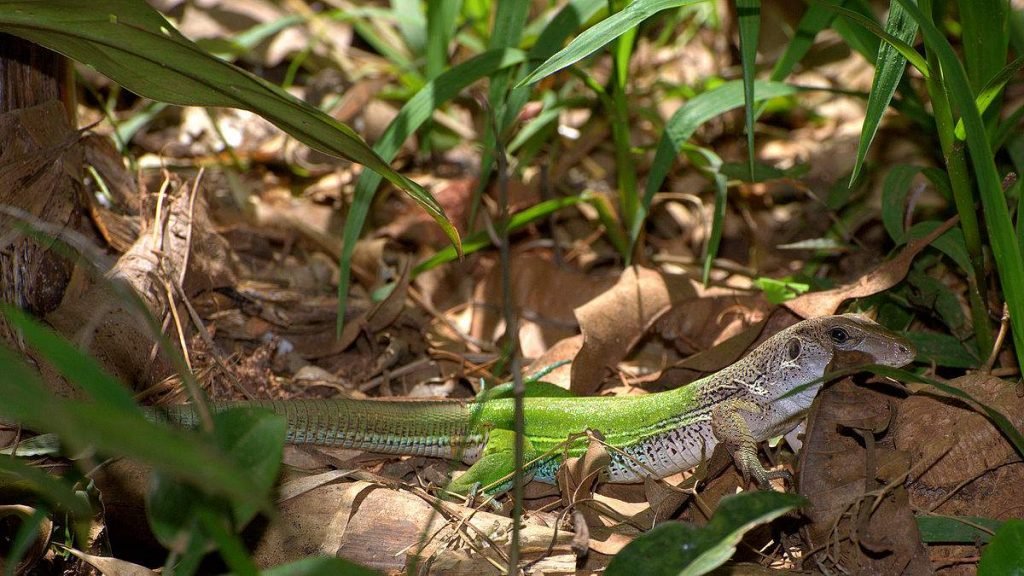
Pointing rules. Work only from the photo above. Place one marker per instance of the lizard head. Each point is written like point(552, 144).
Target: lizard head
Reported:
point(803, 353)
point(851, 340)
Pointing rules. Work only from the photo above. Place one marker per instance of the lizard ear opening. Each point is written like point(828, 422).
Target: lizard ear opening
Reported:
point(793, 349)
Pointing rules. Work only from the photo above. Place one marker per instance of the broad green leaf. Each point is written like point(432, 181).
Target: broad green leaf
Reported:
point(412, 115)
point(951, 243)
point(1003, 240)
point(889, 68)
point(1004, 555)
point(956, 529)
point(942, 349)
point(748, 15)
point(137, 48)
point(932, 294)
point(684, 549)
point(894, 199)
point(601, 34)
point(253, 439)
point(17, 477)
point(113, 431)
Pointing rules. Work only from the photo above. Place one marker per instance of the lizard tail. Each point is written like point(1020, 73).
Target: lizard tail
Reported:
point(439, 428)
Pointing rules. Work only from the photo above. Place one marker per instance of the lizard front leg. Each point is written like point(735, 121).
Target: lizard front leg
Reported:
point(731, 428)
point(493, 471)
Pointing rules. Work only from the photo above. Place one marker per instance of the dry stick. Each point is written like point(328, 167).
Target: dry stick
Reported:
point(1004, 324)
point(512, 337)
point(480, 345)
point(215, 353)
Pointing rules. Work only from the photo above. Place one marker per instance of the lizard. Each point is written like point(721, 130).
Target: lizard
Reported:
point(763, 395)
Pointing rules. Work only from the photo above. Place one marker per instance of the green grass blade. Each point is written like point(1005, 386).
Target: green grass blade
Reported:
point(908, 52)
point(712, 165)
point(479, 240)
point(73, 365)
point(991, 91)
point(625, 167)
point(894, 195)
point(749, 16)
point(938, 529)
point(442, 16)
point(113, 431)
point(136, 47)
point(863, 42)
point(889, 68)
point(597, 36)
point(412, 24)
point(565, 22)
point(814, 20)
point(412, 115)
point(683, 124)
point(1005, 249)
point(985, 38)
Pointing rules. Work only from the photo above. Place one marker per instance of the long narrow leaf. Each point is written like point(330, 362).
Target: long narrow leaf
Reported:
point(684, 123)
point(601, 34)
point(137, 48)
point(115, 432)
point(1005, 249)
point(749, 16)
point(870, 25)
point(888, 70)
point(73, 365)
point(480, 240)
point(415, 112)
point(991, 90)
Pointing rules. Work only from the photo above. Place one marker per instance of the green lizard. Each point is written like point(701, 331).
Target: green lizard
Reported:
point(653, 435)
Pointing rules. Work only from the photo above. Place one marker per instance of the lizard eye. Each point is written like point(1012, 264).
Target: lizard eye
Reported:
point(838, 335)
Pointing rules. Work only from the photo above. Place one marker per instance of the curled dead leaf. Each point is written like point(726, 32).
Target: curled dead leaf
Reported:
point(614, 321)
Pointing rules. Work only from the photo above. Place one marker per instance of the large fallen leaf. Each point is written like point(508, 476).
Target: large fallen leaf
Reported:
point(614, 321)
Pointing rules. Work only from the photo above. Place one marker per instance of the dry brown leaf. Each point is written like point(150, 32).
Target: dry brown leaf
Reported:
point(614, 321)
point(611, 545)
point(883, 277)
point(970, 443)
point(111, 566)
point(544, 293)
point(576, 476)
point(845, 460)
point(565, 349)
